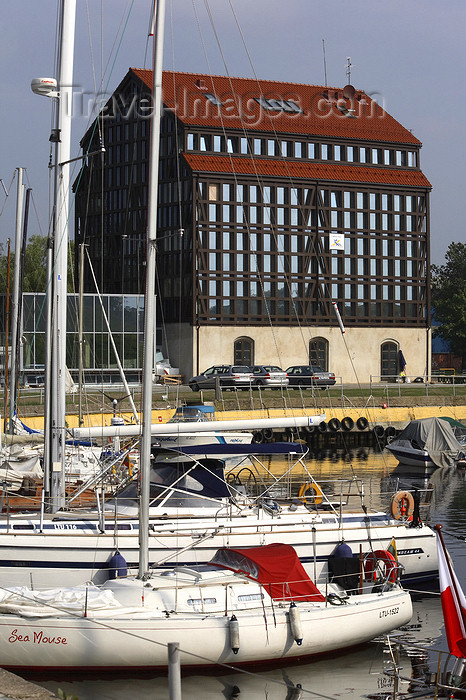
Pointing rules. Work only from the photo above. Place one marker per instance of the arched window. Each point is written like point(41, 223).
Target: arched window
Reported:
point(244, 351)
point(389, 360)
point(318, 353)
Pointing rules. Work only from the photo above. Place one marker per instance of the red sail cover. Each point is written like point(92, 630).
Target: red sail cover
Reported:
point(453, 604)
point(274, 566)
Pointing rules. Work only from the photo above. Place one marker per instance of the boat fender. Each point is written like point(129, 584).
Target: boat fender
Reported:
point(267, 433)
point(390, 431)
point(117, 566)
point(370, 566)
point(347, 424)
point(362, 423)
point(403, 505)
point(334, 425)
point(379, 431)
point(295, 624)
point(316, 498)
point(342, 551)
point(322, 427)
point(234, 634)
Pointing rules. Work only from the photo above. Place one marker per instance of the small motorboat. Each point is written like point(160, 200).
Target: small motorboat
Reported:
point(428, 442)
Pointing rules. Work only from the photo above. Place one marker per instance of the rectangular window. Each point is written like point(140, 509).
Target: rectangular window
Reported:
point(350, 154)
point(311, 150)
point(324, 149)
point(337, 152)
point(270, 147)
point(205, 143)
point(298, 149)
point(244, 146)
point(217, 144)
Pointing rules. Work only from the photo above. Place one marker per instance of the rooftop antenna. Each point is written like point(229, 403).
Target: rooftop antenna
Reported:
point(325, 62)
point(349, 65)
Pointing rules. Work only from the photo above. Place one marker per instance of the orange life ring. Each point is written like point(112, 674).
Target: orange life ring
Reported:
point(370, 566)
point(318, 493)
point(403, 505)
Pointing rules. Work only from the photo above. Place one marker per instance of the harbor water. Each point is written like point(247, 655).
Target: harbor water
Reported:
point(357, 673)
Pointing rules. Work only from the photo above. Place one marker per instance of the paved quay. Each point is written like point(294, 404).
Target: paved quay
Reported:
point(16, 688)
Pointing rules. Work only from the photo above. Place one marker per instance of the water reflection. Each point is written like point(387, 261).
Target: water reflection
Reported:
point(357, 674)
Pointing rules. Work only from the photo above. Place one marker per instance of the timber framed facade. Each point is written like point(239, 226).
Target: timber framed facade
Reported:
point(275, 201)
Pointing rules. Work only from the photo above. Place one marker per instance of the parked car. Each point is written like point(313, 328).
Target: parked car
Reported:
point(230, 376)
point(269, 375)
point(309, 375)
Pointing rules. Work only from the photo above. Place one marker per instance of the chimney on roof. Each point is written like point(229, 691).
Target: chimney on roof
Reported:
point(201, 84)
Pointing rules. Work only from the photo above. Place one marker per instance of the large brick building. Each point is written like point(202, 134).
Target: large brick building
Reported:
point(275, 200)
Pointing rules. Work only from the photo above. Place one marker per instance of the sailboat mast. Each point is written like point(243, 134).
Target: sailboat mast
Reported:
point(16, 291)
point(149, 305)
point(59, 302)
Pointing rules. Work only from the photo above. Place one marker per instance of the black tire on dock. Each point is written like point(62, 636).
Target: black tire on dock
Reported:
point(378, 430)
point(347, 424)
point(322, 427)
point(258, 437)
point(267, 433)
point(390, 431)
point(334, 425)
point(362, 423)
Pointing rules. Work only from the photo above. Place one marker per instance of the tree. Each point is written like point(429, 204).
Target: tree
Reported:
point(449, 297)
point(35, 266)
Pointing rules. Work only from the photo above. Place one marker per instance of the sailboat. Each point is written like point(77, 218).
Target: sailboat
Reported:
point(197, 512)
point(248, 606)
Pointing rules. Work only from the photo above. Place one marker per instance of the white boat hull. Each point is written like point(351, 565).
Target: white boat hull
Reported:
point(410, 456)
point(191, 441)
point(70, 552)
point(124, 642)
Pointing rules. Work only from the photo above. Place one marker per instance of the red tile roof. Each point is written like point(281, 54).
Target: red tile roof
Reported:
point(184, 93)
point(306, 170)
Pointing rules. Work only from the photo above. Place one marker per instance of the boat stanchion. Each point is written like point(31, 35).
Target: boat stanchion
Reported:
point(234, 634)
point(295, 624)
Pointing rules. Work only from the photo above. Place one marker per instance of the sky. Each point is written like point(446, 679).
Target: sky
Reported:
point(410, 53)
